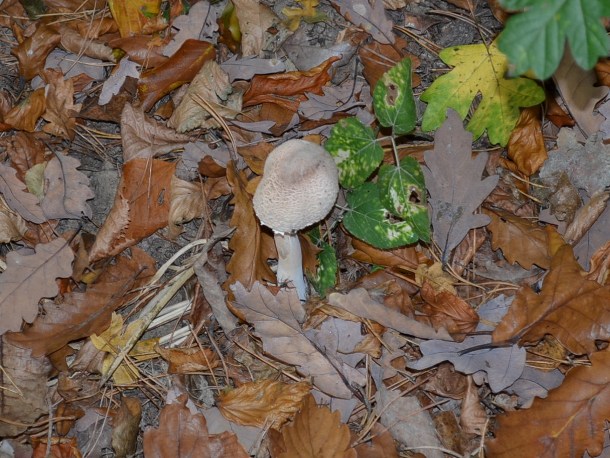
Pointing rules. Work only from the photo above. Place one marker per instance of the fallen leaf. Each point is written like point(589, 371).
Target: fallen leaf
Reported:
point(568, 422)
point(25, 115)
point(580, 92)
point(569, 307)
point(24, 203)
point(126, 426)
point(473, 418)
point(245, 68)
point(526, 146)
point(378, 58)
point(453, 180)
point(199, 23)
point(186, 360)
point(447, 310)
point(370, 15)
point(479, 69)
point(187, 202)
point(133, 17)
point(277, 320)
point(255, 19)
point(59, 447)
point(406, 257)
point(113, 84)
point(12, 226)
point(183, 433)
point(33, 51)
point(25, 151)
point(28, 277)
point(60, 107)
point(317, 432)
point(382, 444)
point(179, 69)
point(85, 45)
point(263, 403)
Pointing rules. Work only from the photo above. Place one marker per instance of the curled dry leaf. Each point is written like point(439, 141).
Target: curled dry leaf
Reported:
point(12, 226)
point(183, 433)
point(25, 151)
point(179, 69)
point(473, 417)
point(24, 116)
point(30, 277)
point(526, 146)
point(126, 426)
point(382, 444)
point(74, 42)
point(24, 203)
point(134, 18)
point(317, 432)
point(263, 403)
point(255, 19)
point(187, 202)
point(448, 311)
point(399, 257)
point(378, 58)
point(60, 105)
point(33, 51)
point(185, 360)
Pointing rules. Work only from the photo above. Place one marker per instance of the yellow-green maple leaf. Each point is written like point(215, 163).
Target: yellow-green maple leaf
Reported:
point(479, 69)
point(113, 339)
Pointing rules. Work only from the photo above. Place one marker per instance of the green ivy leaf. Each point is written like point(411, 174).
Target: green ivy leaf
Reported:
point(393, 99)
point(356, 151)
point(371, 222)
point(402, 191)
point(535, 39)
point(326, 276)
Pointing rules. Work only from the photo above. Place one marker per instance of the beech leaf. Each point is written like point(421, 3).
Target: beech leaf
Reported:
point(30, 277)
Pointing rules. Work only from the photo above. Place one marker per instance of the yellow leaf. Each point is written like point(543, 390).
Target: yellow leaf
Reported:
point(132, 16)
point(307, 13)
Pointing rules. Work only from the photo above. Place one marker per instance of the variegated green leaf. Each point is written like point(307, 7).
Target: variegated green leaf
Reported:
point(393, 99)
point(356, 151)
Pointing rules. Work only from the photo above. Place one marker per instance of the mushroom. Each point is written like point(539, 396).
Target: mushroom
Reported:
point(299, 187)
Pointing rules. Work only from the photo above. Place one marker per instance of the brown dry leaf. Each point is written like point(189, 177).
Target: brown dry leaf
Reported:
point(66, 189)
point(12, 226)
point(382, 444)
point(185, 360)
point(568, 422)
point(33, 51)
point(24, 203)
point(179, 69)
point(277, 320)
point(25, 151)
point(448, 311)
point(81, 314)
point(248, 263)
point(24, 116)
point(145, 50)
point(134, 16)
point(585, 217)
point(570, 307)
point(141, 206)
point(406, 257)
point(60, 447)
point(360, 303)
point(211, 85)
point(143, 137)
point(183, 433)
point(526, 146)
point(28, 278)
point(126, 426)
point(378, 58)
point(263, 403)
point(74, 42)
point(60, 105)
point(23, 388)
point(473, 417)
point(317, 433)
point(288, 89)
point(520, 240)
point(436, 276)
point(556, 114)
point(254, 19)
point(187, 202)
point(602, 69)
point(580, 93)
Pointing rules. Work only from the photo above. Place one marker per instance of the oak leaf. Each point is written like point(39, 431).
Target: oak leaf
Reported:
point(317, 432)
point(30, 277)
point(266, 402)
point(453, 180)
point(570, 307)
point(568, 422)
point(479, 69)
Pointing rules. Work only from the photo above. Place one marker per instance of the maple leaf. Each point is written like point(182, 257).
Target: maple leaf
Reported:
point(479, 69)
point(30, 277)
point(454, 182)
point(568, 422)
point(535, 39)
point(570, 307)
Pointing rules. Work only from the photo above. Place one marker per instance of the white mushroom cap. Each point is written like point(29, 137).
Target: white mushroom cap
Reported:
point(299, 186)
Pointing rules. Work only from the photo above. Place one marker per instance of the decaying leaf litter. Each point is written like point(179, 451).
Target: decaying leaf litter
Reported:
point(458, 288)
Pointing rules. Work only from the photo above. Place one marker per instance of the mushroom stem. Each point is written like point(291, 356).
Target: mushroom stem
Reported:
point(290, 262)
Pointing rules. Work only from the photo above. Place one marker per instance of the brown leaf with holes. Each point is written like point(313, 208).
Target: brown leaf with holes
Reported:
point(569, 421)
point(179, 69)
point(261, 403)
point(184, 433)
point(520, 240)
point(25, 115)
point(317, 433)
point(185, 360)
point(378, 58)
point(288, 89)
point(33, 51)
point(446, 310)
point(526, 146)
point(81, 314)
point(570, 307)
point(251, 246)
point(141, 207)
point(61, 108)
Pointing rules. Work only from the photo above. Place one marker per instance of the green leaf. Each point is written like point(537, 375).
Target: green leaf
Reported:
point(535, 39)
point(393, 99)
point(371, 222)
point(326, 276)
point(356, 151)
point(479, 69)
point(402, 191)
